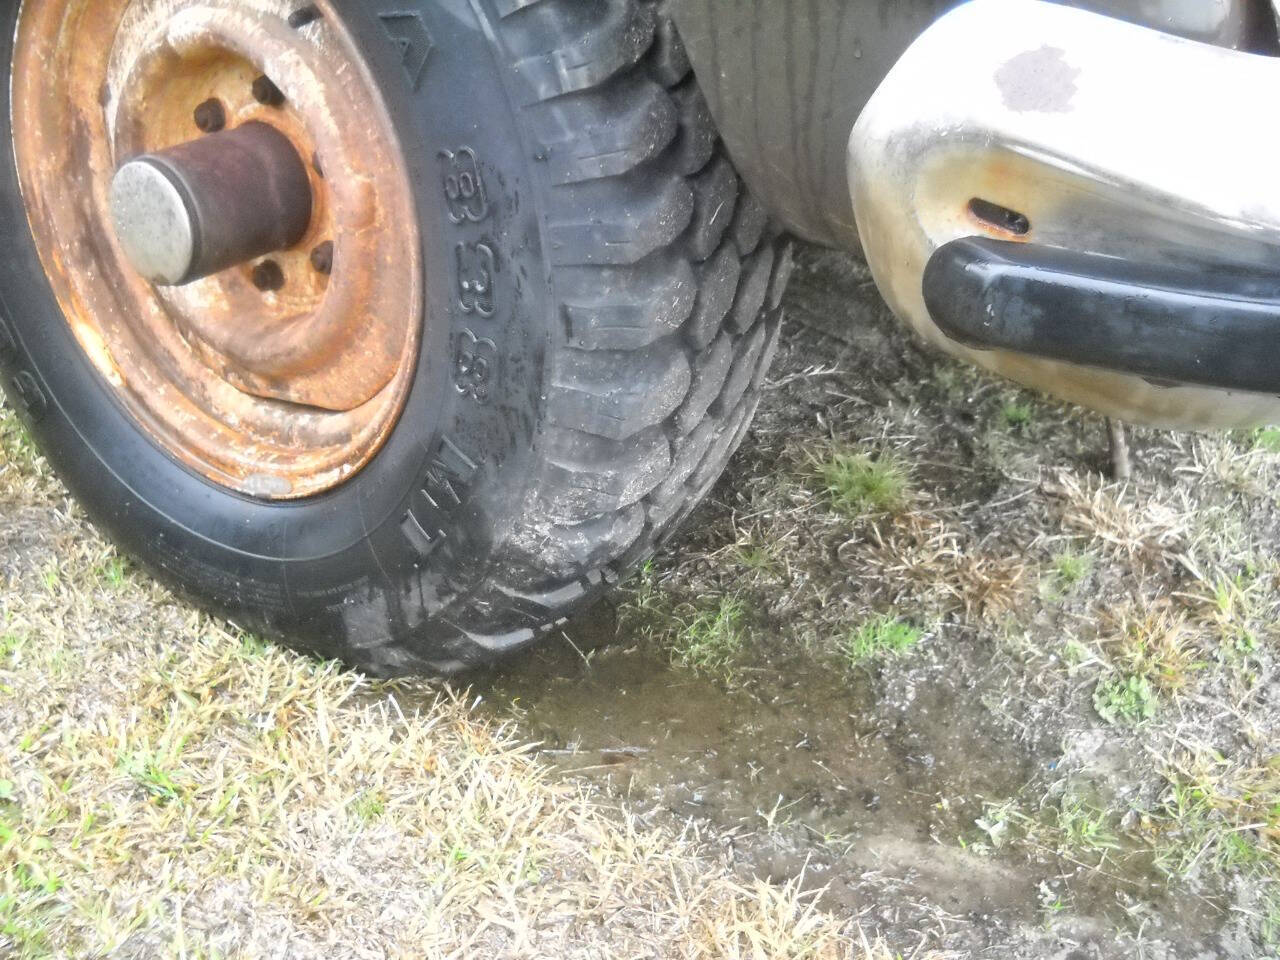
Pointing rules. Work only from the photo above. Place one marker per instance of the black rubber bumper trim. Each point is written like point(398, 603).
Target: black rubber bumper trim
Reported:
point(1173, 324)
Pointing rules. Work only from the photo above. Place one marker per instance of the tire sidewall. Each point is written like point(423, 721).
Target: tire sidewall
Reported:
point(409, 539)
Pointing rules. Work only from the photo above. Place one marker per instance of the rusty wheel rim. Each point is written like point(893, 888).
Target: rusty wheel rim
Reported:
point(281, 377)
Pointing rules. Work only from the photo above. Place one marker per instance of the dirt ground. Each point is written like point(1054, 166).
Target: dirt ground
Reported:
point(919, 672)
point(921, 650)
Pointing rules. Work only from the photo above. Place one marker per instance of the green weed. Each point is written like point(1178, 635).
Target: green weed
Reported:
point(859, 485)
point(1016, 414)
point(1269, 929)
point(252, 646)
point(11, 643)
point(881, 636)
point(1075, 653)
point(16, 444)
point(112, 572)
point(1084, 827)
point(147, 772)
point(1124, 700)
point(758, 557)
point(646, 594)
point(1155, 644)
point(368, 805)
point(1267, 438)
point(1232, 614)
point(30, 939)
point(708, 641)
point(997, 822)
point(1071, 567)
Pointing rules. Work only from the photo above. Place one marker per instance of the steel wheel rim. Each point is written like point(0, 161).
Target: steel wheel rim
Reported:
point(273, 391)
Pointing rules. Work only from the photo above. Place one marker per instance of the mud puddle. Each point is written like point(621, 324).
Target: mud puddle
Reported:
point(881, 786)
point(867, 785)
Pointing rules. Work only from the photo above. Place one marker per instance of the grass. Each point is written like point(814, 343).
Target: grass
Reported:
point(1267, 438)
point(1016, 414)
point(859, 485)
point(1220, 819)
point(1071, 567)
point(272, 747)
point(709, 641)
point(176, 787)
point(880, 637)
point(1063, 598)
point(1053, 587)
point(1184, 665)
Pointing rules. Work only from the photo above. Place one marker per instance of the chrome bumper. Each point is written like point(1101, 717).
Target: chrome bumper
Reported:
point(1097, 144)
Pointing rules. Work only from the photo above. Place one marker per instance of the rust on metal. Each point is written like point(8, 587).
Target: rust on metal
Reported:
point(278, 393)
point(998, 220)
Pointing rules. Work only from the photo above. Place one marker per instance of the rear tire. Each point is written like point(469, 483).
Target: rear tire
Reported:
point(601, 309)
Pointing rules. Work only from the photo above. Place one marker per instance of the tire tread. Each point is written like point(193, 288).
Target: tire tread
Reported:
point(662, 265)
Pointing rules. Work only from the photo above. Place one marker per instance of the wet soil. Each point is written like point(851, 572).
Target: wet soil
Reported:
point(867, 786)
point(870, 783)
point(882, 785)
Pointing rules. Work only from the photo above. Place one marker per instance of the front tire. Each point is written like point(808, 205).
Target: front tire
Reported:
point(601, 306)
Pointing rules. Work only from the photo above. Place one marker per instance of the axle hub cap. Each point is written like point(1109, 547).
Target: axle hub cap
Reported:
point(196, 209)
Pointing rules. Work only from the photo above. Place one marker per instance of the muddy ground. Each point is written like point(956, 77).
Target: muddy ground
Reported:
point(918, 656)
point(1076, 754)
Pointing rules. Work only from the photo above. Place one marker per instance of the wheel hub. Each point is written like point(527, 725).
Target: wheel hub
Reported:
point(201, 207)
point(222, 207)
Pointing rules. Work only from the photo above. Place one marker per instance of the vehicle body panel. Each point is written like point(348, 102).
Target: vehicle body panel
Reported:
point(787, 79)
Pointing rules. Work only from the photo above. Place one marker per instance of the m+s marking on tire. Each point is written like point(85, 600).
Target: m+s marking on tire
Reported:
point(444, 488)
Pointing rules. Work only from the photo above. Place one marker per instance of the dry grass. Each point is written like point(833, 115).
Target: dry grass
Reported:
point(1183, 636)
point(1126, 633)
point(1122, 638)
point(1154, 643)
point(170, 787)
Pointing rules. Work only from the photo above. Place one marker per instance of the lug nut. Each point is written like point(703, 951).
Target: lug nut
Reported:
point(267, 93)
point(322, 258)
point(211, 116)
point(268, 277)
point(315, 165)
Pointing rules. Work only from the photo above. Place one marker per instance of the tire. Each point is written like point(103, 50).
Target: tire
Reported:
point(634, 313)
